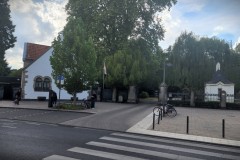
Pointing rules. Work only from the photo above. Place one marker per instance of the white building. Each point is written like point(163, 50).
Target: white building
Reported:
point(36, 76)
point(217, 84)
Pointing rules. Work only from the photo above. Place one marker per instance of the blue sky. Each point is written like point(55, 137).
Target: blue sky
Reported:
point(39, 21)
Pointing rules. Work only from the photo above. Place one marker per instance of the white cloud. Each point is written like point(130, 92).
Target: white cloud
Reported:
point(14, 58)
point(23, 6)
point(40, 21)
point(237, 42)
point(36, 22)
point(190, 5)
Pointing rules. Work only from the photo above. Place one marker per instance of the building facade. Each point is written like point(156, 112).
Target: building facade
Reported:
point(36, 76)
point(216, 85)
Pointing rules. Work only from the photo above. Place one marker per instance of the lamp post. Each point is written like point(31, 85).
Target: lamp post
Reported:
point(164, 69)
point(163, 86)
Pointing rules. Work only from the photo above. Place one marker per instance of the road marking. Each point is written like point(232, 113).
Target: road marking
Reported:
point(57, 157)
point(54, 125)
point(31, 115)
point(141, 151)
point(220, 148)
point(9, 123)
point(8, 127)
point(186, 150)
point(103, 154)
point(6, 120)
point(33, 123)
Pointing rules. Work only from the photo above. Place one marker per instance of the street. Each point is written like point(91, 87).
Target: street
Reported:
point(25, 140)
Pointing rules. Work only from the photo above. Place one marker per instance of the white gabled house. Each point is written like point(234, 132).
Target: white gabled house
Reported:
point(36, 76)
point(217, 84)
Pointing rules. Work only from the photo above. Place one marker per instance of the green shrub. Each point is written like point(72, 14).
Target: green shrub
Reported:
point(68, 106)
point(144, 94)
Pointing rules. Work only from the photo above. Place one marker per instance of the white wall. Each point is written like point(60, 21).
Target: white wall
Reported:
point(211, 91)
point(42, 67)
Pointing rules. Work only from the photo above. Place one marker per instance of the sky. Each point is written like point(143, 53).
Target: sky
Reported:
point(40, 21)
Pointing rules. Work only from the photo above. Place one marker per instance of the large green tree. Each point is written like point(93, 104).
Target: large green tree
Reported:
point(7, 38)
point(114, 22)
point(194, 61)
point(129, 66)
point(74, 57)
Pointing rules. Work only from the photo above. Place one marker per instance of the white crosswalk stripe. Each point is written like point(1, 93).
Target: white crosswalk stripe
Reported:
point(176, 142)
point(186, 150)
point(141, 151)
point(124, 146)
point(103, 154)
point(57, 157)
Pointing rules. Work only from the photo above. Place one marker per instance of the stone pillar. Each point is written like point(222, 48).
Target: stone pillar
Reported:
point(132, 97)
point(99, 94)
point(192, 99)
point(163, 93)
point(114, 94)
point(223, 99)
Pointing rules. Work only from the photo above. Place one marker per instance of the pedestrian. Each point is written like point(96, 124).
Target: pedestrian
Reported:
point(54, 98)
point(17, 97)
point(93, 99)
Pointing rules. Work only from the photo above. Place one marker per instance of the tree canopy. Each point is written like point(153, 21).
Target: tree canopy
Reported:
point(7, 38)
point(194, 61)
point(114, 24)
point(74, 57)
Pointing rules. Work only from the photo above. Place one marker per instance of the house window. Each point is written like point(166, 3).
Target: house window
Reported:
point(42, 84)
point(38, 84)
point(46, 84)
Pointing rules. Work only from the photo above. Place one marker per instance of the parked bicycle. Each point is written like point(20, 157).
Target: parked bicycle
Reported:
point(168, 109)
point(85, 104)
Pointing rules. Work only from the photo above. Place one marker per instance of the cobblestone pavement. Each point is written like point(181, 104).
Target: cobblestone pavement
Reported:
point(203, 122)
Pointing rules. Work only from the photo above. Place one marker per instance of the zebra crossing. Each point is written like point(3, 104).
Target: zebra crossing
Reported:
point(125, 146)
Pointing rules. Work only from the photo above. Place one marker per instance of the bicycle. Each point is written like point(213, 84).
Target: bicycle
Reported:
point(85, 104)
point(168, 109)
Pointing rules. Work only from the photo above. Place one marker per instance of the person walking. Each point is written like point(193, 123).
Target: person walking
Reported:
point(17, 97)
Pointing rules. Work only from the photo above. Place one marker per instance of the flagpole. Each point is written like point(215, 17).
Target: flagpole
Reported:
point(104, 72)
point(103, 79)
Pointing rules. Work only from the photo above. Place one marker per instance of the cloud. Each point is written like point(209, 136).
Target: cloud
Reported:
point(36, 22)
point(237, 42)
point(39, 21)
point(204, 18)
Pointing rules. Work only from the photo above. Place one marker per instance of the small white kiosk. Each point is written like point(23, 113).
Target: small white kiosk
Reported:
point(216, 85)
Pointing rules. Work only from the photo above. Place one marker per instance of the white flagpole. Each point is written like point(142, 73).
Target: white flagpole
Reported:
point(104, 72)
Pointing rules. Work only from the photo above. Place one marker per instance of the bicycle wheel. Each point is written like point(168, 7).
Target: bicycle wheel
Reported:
point(157, 111)
point(171, 112)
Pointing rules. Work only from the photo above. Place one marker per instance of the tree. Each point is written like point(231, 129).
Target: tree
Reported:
point(114, 22)
point(7, 38)
point(124, 66)
point(74, 57)
point(16, 73)
point(194, 60)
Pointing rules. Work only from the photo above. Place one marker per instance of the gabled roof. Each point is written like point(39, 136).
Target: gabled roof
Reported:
point(33, 51)
point(219, 77)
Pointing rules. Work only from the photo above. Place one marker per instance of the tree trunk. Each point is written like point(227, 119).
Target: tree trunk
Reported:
point(192, 99)
point(114, 94)
point(132, 96)
point(74, 99)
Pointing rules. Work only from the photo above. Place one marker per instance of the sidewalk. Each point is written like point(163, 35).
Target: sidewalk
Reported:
point(205, 125)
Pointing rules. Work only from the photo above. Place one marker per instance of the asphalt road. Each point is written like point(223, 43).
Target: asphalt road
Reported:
point(23, 140)
point(119, 117)
point(39, 115)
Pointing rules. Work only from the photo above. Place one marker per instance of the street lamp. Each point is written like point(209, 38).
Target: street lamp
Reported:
point(164, 69)
point(163, 86)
